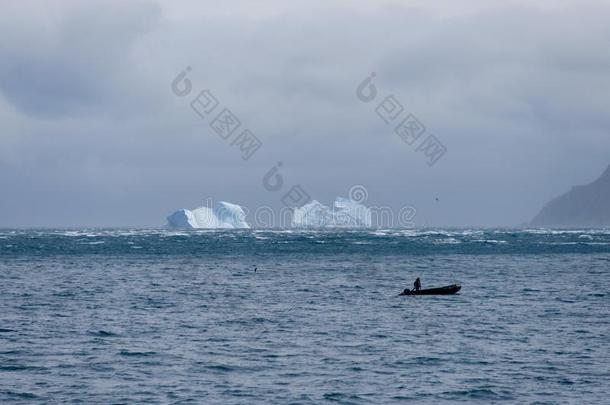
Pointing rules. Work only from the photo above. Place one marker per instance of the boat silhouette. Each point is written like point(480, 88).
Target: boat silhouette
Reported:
point(447, 290)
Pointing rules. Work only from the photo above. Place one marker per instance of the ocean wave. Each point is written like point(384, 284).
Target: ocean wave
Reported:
point(447, 241)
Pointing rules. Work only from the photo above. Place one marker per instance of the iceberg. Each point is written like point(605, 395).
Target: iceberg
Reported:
point(311, 215)
point(345, 213)
point(352, 214)
point(224, 215)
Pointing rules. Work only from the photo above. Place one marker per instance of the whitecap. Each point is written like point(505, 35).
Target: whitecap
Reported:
point(448, 241)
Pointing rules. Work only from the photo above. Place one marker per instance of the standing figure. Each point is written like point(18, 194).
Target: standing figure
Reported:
point(417, 284)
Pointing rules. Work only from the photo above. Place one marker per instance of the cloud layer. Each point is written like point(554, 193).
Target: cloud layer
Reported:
point(92, 134)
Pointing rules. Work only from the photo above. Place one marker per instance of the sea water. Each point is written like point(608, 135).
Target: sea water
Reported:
point(159, 316)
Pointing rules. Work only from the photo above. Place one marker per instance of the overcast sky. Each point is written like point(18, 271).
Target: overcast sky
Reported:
point(93, 135)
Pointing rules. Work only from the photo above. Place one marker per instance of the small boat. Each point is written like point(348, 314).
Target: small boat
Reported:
point(447, 290)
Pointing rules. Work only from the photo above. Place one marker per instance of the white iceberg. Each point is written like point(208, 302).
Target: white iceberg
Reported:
point(311, 215)
point(345, 213)
point(351, 214)
point(224, 215)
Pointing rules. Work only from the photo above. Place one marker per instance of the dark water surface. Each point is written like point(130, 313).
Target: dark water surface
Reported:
point(132, 316)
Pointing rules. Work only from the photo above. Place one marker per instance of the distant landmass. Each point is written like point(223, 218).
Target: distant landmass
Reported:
point(583, 206)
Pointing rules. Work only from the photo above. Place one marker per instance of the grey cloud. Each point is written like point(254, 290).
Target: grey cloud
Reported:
point(93, 135)
point(78, 66)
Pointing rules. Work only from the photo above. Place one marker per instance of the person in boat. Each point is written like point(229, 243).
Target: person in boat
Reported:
point(417, 284)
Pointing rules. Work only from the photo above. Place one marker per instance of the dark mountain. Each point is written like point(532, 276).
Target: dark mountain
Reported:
point(583, 206)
